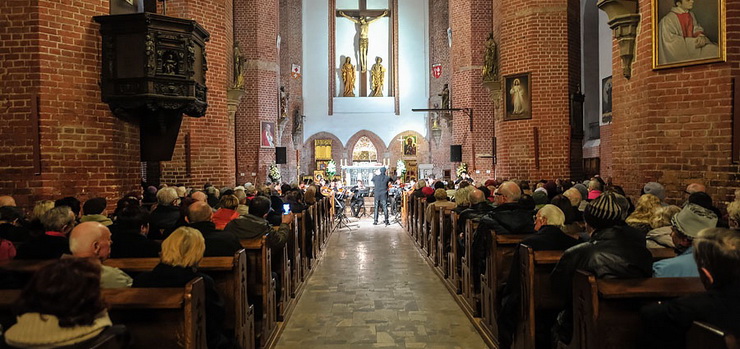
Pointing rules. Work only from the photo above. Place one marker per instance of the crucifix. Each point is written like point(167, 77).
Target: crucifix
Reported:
point(363, 18)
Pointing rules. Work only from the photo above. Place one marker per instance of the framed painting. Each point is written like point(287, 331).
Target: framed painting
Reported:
point(321, 165)
point(518, 96)
point(318, 176)
point(267, 134)
point(606, 100)
point(409, 145)
point(688, 33)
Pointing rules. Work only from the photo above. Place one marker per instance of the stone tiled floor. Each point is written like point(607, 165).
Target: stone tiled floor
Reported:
point(373, 290)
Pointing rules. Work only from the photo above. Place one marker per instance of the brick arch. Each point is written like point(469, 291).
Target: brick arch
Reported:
point(377, 142)
point(308, 163)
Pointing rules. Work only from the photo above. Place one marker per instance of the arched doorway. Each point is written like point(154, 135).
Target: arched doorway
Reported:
point(364, 151)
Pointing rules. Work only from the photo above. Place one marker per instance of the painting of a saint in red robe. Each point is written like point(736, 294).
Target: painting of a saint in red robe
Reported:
point(267, 134)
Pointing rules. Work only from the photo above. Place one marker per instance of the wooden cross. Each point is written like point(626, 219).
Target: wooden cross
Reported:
point(371, 14)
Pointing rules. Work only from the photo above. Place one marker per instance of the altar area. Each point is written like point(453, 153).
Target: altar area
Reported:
point(364, 171)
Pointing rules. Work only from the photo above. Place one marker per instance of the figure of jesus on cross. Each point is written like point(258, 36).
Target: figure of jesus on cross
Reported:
point(364, 23)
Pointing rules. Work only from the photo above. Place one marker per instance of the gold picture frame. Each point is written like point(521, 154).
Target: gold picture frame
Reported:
point(518, 96)
point(673, 48)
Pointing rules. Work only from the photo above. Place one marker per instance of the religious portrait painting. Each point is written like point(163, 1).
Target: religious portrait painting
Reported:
point(518, 97)
point(267, 134)
point(688, 32)
point(606, 100)
point(409, 145)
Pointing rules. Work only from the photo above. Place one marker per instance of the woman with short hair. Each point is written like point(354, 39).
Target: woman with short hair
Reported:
point(226, 212)
point(181, 253)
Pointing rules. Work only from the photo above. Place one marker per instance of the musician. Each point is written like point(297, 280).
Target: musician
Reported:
point(380, 181)
point(359, 192)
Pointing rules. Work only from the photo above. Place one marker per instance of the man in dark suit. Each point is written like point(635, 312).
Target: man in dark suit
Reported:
point(218, 243)
point(380, 181)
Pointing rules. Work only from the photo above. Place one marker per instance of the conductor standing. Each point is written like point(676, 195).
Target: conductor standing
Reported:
point(380, 181)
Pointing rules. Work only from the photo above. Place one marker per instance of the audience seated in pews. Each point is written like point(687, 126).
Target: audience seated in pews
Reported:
point(11, 230)
point(551, 235)
point(614, 251)
point(130, 231)
point(34, 226)
point(218, 242)
point(660, 235)
point(165, 217)
point(93, 240)
point(73, 203)
point(717, 255)
point(181, 253)
point(254, 225)
point(226, 211)
point(294, 197)
point(508, 217)
point(595, 189)
point(53, 243)
point(94, 211)
point(685, 226)
point(656, 189)
point(571, 225)
point(640, 219)
point(60, 306)
point(462, 197)
point(479, 207)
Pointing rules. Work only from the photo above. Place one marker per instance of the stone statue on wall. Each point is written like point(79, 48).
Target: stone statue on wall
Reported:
point(364, 23)
point(377, 77)
point(348, 77)
point(490, 60)
point(284, 98)
point(445, 94)
point(239, 78)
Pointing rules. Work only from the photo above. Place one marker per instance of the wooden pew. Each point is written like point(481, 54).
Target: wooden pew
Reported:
point(606, 312)
point(424, 236)
point(420, 221)
point(443, 239)
point(535, 269)
point(230, 276)
point(412, 217)
point(301, 268)
point(702, 336)
point(169, 317)
point(262, 294)
point(453, 278)
point(468, 289)
point(432, 241)
point(312, 211)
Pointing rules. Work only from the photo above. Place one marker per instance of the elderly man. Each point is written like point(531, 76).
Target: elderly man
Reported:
point(199, 196)
point(7, 200)
point(218, 243)
point(57, 222)
point(685, 226)
point(93, 240)
point(255, 225)
point(165, 217)
point(508, 217)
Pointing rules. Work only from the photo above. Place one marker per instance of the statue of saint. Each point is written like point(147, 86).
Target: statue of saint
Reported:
point(490, 66)
point(445, 97)
point(284, 96)
point(348, 76)
point(377, 76)
point(364, 23)
point(238, 67)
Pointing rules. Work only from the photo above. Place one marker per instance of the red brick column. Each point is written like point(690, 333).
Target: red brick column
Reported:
point(538, 37)
point(471, 21)
point(291, 52)
point(256, 26)
point(439, 50)
point(673, 126)
point(211, 145)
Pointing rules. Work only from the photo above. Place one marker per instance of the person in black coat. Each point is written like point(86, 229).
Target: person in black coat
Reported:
point(717, 254)
point(380, 191)
point(165, 218)
point(129, 234)
point(53, 243)
point(181, 253)
point(615, 251)
point(218, 242)
point(549, 223)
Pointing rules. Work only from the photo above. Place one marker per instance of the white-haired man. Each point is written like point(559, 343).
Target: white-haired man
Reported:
point(166, 217)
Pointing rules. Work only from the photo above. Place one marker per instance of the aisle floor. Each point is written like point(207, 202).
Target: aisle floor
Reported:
point(373, 290)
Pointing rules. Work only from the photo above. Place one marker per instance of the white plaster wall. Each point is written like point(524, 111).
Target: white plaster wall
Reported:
point(413, 73)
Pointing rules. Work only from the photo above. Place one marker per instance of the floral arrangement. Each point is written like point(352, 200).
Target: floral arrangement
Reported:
point(462, 168)
point(400, 168)
point(331, 169)
point(274, 173)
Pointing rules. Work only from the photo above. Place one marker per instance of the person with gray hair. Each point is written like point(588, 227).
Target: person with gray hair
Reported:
point(57, 222)
point(508, 216)
point(685, 227)
point(93, 240)
point(166, 217)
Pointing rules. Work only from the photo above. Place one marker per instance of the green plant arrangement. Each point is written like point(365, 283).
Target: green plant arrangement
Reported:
point(274, 173)
point(331, 169)
point(462, 168)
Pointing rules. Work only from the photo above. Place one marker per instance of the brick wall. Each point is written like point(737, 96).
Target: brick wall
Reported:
point(538, 37)
point(256, 28)
point(53, 48)
point(439, 54)
point(470, 21)
point(674, 125)
point(291, 52)
point(212, 136)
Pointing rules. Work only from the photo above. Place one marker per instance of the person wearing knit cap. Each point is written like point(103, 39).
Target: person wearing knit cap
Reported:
point(685, 226)
point(654, 188)
point(615, 251)
point(540, 198)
